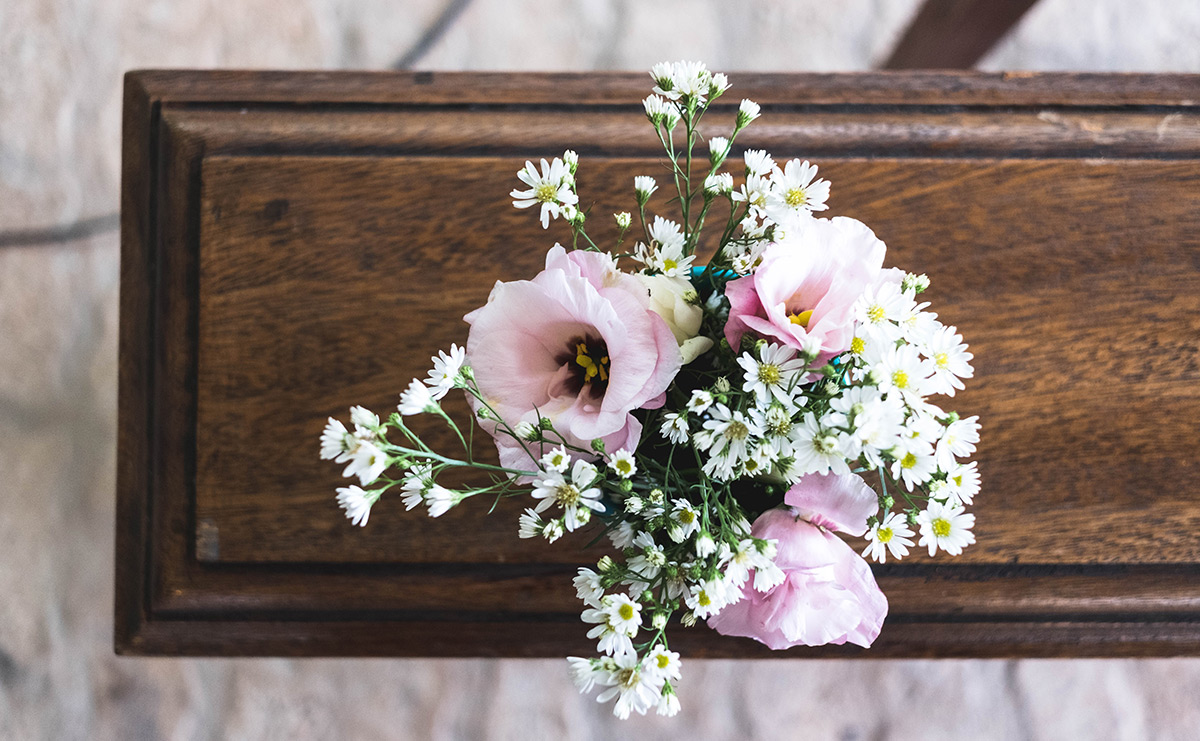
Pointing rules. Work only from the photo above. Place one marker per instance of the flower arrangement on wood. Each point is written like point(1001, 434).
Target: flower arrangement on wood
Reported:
point(718, 423)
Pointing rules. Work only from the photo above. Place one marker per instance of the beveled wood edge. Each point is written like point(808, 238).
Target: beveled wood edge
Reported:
point(146, 518)
point(1052, 89)
point(134, 391)
point(566, 636)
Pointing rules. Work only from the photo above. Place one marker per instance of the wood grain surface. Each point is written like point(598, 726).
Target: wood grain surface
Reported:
point(297, 243)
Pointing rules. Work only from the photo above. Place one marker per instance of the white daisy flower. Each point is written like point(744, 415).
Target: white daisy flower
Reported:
point(913, 461)
point(957, 441)
point(530, 525)
point(719, 183)
point(700, 401)
point(880, 306)
point(366, 461)
point(335, 441)
point(417, 399)
point(446, 367)
point(635, 690)
point(416, 482)
point(718, 85)
point(665, 232)
point(951, 361)
point(707, 597)
point(685, 519)
point(876, 421)
point(643, 187)
point(366, 422)
point(587, 673)
point(663, 75)
point(570, 495)
point(793, 191)
point(622, 463)
point(759, 162)
point(773, 375)
point(357, 503)
point(747, 112)
point(552, 531)
point(622, 535)
point(671, 262)
point(441, 500)
point(718, 150)
point(754, 192)
point(731, 433)
point(962, 482)
point(616, 619)
point(663, 663)
point(588, 587)
point(668, 702)
point(557, 459)
point(551, 188)
point(692, 80)
point(817, 450)
point(661, 112)
point(901, 370)
point(675, 427)
point(891, 534)
point(946, 527)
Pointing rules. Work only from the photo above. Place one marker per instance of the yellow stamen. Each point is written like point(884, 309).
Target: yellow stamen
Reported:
point(941, 527)
point(794, 197)
point(625, 611)
point(546, 193)
point(669, 264)
point(857, 346)
point(802, 318)
point(884, 535)
point(591, 367)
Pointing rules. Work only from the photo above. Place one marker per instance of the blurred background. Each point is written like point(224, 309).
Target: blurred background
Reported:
point(61, 63)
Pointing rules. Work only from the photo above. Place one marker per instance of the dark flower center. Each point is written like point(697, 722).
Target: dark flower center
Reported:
point(587, 361)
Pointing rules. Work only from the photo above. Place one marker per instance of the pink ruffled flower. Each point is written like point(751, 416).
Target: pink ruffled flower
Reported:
point(579, 345)
point(803, 291)
point(828, 594)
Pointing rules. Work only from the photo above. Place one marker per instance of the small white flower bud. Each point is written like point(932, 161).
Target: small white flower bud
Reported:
point(623, 220)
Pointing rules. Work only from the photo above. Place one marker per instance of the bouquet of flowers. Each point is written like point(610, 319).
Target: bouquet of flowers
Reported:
point(717, 422)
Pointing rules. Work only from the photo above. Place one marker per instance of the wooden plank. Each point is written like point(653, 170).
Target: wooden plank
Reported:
point(955, 34)
point(289, 248)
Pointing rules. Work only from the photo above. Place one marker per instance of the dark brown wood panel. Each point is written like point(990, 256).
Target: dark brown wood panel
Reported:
point(296, 243)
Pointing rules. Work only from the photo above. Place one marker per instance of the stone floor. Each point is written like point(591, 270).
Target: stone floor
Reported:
point(60, 68)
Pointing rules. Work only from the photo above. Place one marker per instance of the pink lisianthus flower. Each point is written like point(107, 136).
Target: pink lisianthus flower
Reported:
point(803, 292)
point(828, 594)
point(579, 345)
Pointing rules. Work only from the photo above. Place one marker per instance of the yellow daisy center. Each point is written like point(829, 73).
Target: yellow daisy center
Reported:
point(737, 431)
point(566, 495)
point(942, 359)
point(669, 264)
point(663, 661)
point(884, 535)
point(625, 611)
point(703, 599)
point(794, 197)
point(900, 379)
point(857, 346)
point(875, 313)
point(624, 466)
point(941, 527)
point(908, 461)
point(546, 193)
point(769, 374)
point(686, 516)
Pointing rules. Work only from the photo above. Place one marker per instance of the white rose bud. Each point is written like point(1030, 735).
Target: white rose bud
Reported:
point(669, 298)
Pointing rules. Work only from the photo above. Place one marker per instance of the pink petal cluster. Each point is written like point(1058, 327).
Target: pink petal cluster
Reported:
point(828, 594)
point(822, 266)
point(522, 349)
